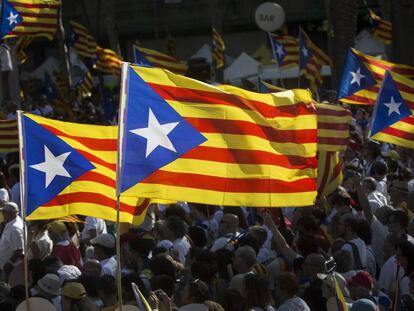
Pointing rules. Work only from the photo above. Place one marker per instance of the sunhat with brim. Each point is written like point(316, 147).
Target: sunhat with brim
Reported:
point(10, 207)
point(50, 284)
point(36, 303)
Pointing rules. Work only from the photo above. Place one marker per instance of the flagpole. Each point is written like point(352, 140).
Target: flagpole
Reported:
point(64, 52)
point(23, 208)
point(121, 114)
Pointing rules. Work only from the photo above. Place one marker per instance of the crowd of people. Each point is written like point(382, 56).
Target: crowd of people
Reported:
point(188, 256)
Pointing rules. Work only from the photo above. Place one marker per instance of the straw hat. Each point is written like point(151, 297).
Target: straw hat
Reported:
point(36, 303)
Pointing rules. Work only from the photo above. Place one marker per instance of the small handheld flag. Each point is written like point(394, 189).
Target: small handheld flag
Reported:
point(218, 47)
point(382, 29)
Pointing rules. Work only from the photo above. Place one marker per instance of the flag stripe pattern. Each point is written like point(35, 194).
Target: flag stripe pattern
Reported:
point(93, 193)
point(333, 127)
point(377, 68)
point(85, 84)
point(329, 172)
point(260, 148)
point(9, 138)
point(312, 70)
point(161, 60)
point(108, 61)
point(340, 300)
point(291, 46)
point(40, 18)
point(402, 132)
point(82, 41)
point(382, 29)
point(218, 48)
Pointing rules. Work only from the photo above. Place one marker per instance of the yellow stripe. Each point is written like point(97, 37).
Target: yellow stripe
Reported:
point(222, 198)
point(170, 64)
point(153, 52)
point(231, 170)
point(394, 140)
point(333, 133)
point(245, 142)
point(327, 147)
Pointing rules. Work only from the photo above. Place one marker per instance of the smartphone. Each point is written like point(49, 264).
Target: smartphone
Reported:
point(330, 265)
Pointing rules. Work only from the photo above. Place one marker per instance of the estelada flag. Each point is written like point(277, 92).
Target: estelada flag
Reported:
point(70, 168)
point(181, 139)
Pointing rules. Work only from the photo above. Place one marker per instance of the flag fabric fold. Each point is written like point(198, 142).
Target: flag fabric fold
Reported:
point(362, 77)
point(39, 18)
point(381, 28)
point(9, 138)
point(184, 140)
point(69, 169)
point(392, 119)
point(329, 172)
point(108, 61)
point(81, 40)
point(152, 58)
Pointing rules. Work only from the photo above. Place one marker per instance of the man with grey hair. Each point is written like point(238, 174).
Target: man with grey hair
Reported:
point(243, 260)
point(375, 198)
point(11, 241)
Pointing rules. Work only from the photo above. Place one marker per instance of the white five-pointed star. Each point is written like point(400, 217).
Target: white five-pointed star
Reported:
point(156, 134)
point(357, 76)
point(393, 106)
point(305, 51)
point(12, 18)
point(52, 166)
point(279, 50)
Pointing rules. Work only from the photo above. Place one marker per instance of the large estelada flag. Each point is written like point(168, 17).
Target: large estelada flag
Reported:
point(362, 77)
point(392, 120)
point(184, 140)
point(152, 58)
point(70, 168)
point(38, 18)
point(381, 28)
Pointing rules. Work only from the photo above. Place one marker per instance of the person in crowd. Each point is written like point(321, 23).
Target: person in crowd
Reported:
point(66, 272)
point(104, 251)
point(49, 287)
point(74, 298)
point(63, 247)
point(228, 231)
point(313, 295)
point(41, 245)
point(175, 230)
point(4, 189)
point(243, 261)
point(288, 290)
point(11, 240)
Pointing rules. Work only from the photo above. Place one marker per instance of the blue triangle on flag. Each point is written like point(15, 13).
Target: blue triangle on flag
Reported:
point(390, 107)
point(355, 77)
point(40, 148)
point(146, 151)
point(140, 59)
point(279, 51)
point(9, 19)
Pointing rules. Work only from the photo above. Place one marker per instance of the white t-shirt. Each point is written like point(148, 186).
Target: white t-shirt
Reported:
point(386, 278)
point(294, 304)
point(11, 239)
point(181, 246)
point(362, 250)
point(4, 195)
point(93, 223)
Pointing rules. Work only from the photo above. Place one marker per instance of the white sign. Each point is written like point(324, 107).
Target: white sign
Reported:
point(269, 16)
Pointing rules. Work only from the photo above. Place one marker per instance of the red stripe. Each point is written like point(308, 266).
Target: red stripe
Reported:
point(336, 171)
point(408, 120)
point(333, 126)
point(11, 146)
point(25, 4)
point(15, 136)
point(96, 144)
point(361, 99)
point(254, 129)
point(398, 133)
point(99, 178)
point(194, 96)
point(250, 157)
point(97, 160)
point(239, 185)
point(332, 141)
point(8, 128)
point(89, 197)
point(38, 25)
point(332, 112)
point(39, 15)
point(160, 57)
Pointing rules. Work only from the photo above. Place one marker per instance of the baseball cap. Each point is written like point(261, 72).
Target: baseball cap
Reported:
point(392, 154)
point(362, 278)
point(10, 207)
point(74, 290)
point(105, 240)
point(57, 227)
